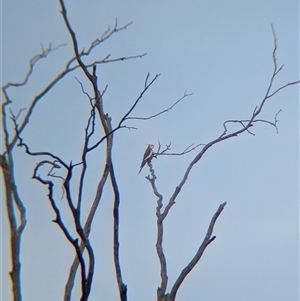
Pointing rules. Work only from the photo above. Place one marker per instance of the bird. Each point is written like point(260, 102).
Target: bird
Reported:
point(147, 156)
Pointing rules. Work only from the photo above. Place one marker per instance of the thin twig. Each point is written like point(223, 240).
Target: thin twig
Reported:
point(139, 98)
point(163, 111)
point(32, 62)
point(125, 116)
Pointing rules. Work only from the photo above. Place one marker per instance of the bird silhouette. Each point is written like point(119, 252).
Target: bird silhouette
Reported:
point(147, 156)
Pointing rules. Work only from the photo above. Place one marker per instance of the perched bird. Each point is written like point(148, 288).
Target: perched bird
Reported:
point(147, 155)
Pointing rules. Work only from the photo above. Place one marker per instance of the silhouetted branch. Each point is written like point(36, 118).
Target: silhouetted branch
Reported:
point(160, 232)
point(207, 240)
point(76, 217)
point(56, 158)
point(76, 213)
point(88, 135)
point(15, 208)
point(61, 224)
point(39, 96)
point(162, 213)
point(161, 292)
point(87, 228)
point(246, 121)
point(139, 98)
point(105, 36)
point(85, 280)
point(106, 124)
point(125, 117)
point(116, 244)
point(21, 143)
point(246, 124)
point(114, 60)
point(32, 63)
point(166, 150)
point(163, 111)
point(60, 76)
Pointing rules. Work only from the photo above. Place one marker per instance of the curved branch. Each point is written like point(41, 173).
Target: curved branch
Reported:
point(163, 111)
point(106, 124)
point(207, 240)
point(116, 252)
point(246, 124)
point(161, 291)
point(62, 226)
point(27, 150)
point(76, 217)
point(87, 228)
point(60, 76)
point(32, 63)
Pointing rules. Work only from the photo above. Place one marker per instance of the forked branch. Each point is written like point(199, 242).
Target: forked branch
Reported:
point(165, 110)
point(246, 125)
point(161, 291)
point(162, 213)
point(58, 220)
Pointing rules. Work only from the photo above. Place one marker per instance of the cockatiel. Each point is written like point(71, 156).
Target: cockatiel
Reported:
point(147, 155)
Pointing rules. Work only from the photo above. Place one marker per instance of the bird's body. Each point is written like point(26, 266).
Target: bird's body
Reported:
point(147, 155)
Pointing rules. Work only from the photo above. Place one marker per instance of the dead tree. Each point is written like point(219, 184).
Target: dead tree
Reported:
point(162, 209)
point(84, 256)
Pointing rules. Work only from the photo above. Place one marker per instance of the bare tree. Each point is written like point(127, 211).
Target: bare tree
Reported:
point(84, 255)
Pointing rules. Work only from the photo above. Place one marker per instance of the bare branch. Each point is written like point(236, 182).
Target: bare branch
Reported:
point(74, 41)
point(146, 80)
point(61, 224)
point(83, 91)
point(86, 283)
point(96, 102)
point(139, 98)
point(207, 240)
point(275, 72)
point(32, 63)
point(105, 36)
point(275, 49)
point(120, 124)
point(165, 152)
point(284, 86)
point(106, 124)
point(61, 75)
point(56, 158)
point(122, 287)
point(16, 117)
point(163, 111)
point(161, 214)
point(114, 60)
point(160, 232)
point(14, 207)
point(88, 135)
point(246, 124)
point(87, 229)
point(31, 108)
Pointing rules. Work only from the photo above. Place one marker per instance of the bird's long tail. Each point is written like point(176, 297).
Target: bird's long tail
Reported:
point(143, 164)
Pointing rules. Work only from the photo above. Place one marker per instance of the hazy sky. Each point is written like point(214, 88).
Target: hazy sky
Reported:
point(221, 51)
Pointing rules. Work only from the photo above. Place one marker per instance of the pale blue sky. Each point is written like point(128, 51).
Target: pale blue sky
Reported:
point(221, 51)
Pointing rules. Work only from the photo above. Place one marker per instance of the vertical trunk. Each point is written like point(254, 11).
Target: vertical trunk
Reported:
point(13, 206)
